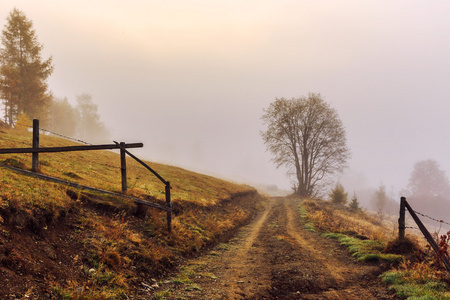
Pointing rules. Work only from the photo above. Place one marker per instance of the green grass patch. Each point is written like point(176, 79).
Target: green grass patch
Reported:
point(309, 227)
point(365, 250)
point(303, 213)
point(407, 285)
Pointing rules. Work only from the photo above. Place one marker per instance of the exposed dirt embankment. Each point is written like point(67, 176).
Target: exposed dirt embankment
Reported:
point(96, 250)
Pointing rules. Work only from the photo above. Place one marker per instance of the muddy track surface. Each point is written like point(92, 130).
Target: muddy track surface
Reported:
point(275, 258)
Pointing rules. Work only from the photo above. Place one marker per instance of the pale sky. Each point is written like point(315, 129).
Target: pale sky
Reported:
point(190, 79)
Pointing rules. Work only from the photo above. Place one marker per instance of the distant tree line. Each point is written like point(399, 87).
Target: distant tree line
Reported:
point(428, 192)
point(81, 121)
point(24, 88)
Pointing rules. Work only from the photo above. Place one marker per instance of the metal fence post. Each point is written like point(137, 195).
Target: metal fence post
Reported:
point(35, 155)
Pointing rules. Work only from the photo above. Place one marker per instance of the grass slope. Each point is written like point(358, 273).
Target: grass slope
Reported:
point(415, 272)
point(61, 243)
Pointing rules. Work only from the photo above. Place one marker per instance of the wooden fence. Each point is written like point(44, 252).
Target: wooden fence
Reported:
point(402, 226)
point(35, 150)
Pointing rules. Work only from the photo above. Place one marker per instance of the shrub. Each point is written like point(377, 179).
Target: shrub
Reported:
point(354, 203)
point(338, 195)
point(402, 246)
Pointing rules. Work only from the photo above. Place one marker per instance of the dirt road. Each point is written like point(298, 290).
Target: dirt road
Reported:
point(275, 258)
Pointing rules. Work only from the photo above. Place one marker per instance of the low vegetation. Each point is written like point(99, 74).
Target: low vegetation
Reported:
point(69, 244)
point(415, 271)
point(62, 243)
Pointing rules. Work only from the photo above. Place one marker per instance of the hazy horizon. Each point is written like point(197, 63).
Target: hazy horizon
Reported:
point(190, 79)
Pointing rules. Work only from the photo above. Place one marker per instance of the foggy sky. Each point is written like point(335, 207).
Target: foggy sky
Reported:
point(190, 79)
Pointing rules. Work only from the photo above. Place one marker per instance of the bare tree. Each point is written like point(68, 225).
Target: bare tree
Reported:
point(306, 135)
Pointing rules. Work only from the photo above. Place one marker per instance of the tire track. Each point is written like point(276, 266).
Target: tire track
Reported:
point(275, 258)
point(292, 228)
point(244, 275)
point(335, 275)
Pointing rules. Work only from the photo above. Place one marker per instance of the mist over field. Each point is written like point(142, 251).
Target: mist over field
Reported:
point(190, 79)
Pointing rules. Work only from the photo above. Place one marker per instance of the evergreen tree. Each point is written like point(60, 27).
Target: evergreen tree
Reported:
point(89, 126)
point(23, 73)
point(380, 198)
point(338, 195)
point(63, 117)
point(354, 203)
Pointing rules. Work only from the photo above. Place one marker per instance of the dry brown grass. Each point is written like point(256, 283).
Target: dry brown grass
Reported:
point(329, 217)
point(419, 275)
point(118, 245)
point(101, 169)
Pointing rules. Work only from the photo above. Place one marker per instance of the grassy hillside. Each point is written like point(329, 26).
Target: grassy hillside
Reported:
point(63, 243)
point(413, 270)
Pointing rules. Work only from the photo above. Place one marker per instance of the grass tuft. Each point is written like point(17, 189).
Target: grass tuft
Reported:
point(365, 250)
point(415, 283)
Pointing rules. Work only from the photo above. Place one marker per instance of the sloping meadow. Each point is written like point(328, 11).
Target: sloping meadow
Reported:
point(116, 247)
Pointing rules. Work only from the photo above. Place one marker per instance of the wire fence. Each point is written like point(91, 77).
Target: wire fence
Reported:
point(123, 170)
point(441, 222)
point(64, 136)
point(76, 157)
point(54, 133)
point(431, 218)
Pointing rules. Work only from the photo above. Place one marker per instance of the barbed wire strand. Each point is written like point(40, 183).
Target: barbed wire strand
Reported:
point(431, 218)
point(72, 139)
point(409, 227)
point(55, 133)
point(65, 136)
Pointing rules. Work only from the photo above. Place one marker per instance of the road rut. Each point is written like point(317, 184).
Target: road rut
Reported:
point(274, 257)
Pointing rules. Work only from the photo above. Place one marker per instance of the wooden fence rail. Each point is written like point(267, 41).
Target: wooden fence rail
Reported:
point(35, 150)
point(123, 151)
point(401, 229)
point(68, 148)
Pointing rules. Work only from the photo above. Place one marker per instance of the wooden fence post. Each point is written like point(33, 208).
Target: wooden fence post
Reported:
point(401, 219)
point(123, 167)
point(427, 235)
point(169, 205)
point(35, 155)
